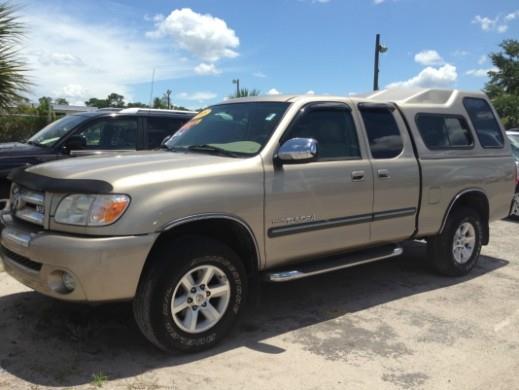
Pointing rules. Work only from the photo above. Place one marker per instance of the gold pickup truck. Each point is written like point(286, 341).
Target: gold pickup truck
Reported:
point(267, 188)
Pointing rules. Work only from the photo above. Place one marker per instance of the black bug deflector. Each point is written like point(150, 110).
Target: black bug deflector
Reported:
point(37, 182)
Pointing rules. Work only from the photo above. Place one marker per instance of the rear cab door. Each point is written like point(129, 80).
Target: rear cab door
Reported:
point(395, 170)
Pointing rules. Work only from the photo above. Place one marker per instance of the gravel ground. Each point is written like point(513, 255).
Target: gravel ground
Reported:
point(386, 325)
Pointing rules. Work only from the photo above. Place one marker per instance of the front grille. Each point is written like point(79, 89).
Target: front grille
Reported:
point(28, 205)
point(21, 260)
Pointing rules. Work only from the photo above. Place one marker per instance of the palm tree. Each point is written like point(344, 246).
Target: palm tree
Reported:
point(13, 81)
point(244, 92)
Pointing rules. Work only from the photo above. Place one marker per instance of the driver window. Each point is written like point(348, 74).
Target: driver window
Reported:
point(334, 131)
point(111, 134)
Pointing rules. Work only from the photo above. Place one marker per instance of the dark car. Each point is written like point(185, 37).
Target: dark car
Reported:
point(513, 136)
point(91, 133)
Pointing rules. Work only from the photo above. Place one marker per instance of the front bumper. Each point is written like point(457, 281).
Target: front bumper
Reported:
point(103, 268)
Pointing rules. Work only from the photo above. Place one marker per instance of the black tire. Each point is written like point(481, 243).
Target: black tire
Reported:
point(169, 264)
point(440, 247)
point(515, 208)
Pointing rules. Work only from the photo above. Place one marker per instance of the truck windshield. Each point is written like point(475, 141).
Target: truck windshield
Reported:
point(234, 129)
point(50, 134)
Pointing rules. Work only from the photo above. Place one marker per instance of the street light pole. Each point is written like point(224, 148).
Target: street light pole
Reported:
point(379, 48)
point(237, 82)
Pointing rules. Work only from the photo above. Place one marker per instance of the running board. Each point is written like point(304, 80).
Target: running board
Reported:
point(334, 263)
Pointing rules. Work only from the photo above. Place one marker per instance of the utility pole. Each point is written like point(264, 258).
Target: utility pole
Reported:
point(168, 94)
point(151, 87)
point(379, 48)
point(237, 82)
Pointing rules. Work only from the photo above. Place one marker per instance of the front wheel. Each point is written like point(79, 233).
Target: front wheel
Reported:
point(455, 251)
point(191, 295)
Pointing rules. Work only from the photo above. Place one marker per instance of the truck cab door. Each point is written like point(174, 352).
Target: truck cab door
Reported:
point(322, 206)
point(108, 134)
point(396, 176)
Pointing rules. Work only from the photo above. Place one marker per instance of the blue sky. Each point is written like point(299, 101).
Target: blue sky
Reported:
point(79, 49)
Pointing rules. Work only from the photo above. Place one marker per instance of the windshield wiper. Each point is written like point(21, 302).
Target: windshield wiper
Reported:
point(213, 149)
point(34, 143)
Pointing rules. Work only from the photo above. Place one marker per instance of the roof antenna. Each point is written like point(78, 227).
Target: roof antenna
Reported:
point(151, 88)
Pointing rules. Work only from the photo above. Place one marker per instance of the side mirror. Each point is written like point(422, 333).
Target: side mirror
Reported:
point(298, 150)
point(75, 142)
point(166, 139)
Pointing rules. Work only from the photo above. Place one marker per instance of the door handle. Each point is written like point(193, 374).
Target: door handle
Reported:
point(383, 174)
point(358, 175)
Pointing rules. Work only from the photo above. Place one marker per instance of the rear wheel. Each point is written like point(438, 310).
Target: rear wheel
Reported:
point(191, 295)
point(456, 250)
point(515, 207)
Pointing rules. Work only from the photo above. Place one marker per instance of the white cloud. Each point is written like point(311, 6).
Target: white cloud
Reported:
point(485, 22)
point(430, 77)
point(203, 35)
point(482, 59)
point(310, 92)
point(273, 91)
point(429, 57)
point(480, 72)
point(260, 75)
point(378, 2)
point(198, 96)
point(460, 53)
point(512, 16)
point(207, 69)
point(57, 58)
point(78, 60)
point(499, 23)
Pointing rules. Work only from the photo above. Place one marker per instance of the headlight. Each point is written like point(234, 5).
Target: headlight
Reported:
point(91, 210)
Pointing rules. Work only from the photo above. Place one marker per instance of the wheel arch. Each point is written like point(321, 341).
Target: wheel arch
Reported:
point(231, 230)
point(474, 198)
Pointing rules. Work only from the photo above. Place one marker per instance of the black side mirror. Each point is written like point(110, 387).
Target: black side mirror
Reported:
point(166, 139)
point(75, 142)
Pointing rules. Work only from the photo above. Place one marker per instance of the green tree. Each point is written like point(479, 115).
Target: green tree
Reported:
point(503, 87)
point(115, 100)
point(136, 104)
point(61, 101)
point(13, 80)
point(159, 103)
point(95, 102)
point(244, 92)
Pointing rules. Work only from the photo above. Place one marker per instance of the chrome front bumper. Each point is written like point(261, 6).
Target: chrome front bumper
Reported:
point(103, 268)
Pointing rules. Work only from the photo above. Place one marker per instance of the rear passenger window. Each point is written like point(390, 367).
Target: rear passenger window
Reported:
point(333, 129)
point(444, 131)
point(161, 127)
point(383, 133)
point(484, 122)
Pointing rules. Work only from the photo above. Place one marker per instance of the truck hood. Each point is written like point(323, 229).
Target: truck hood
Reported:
point(18, 149)
point(134, 169)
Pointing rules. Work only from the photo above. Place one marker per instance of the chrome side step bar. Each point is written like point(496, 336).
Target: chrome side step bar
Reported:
point(335, 263)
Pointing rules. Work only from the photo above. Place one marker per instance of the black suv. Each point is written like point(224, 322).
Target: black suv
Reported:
point(91, 133)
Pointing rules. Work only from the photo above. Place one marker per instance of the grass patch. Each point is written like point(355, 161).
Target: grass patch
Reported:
point(99, 379)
